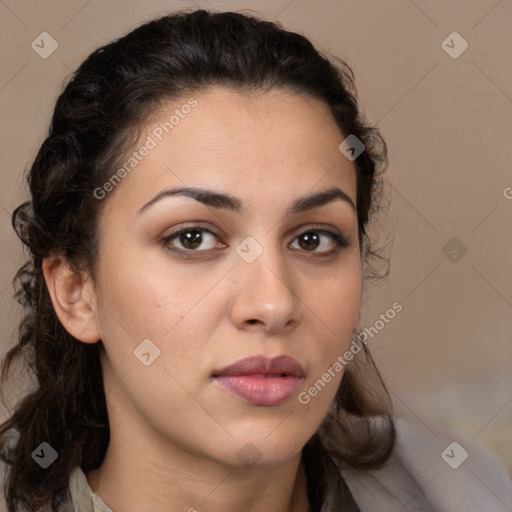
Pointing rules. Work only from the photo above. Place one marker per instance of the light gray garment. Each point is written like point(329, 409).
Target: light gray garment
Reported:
point(84, 500)
point(425, 473)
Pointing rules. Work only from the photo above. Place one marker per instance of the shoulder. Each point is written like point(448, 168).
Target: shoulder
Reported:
point(432, 471)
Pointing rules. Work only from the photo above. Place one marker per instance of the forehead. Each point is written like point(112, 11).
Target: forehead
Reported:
point(272, 144)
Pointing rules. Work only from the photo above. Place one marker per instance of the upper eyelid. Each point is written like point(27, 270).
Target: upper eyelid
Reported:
point(324, 229)
point(203, 228)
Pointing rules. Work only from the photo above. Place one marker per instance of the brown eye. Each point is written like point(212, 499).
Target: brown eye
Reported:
point(313, 239)
point(194, 240)
point(190, 239)
point(309, 241)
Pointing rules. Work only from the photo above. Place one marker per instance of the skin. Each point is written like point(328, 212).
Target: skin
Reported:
point(175, 433)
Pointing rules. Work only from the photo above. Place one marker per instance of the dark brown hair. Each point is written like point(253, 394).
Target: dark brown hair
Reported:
point(96, 119)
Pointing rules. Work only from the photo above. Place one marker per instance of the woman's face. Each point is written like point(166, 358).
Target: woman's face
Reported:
point(254, 274)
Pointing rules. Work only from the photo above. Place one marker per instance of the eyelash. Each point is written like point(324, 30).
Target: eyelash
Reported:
point(340, 241)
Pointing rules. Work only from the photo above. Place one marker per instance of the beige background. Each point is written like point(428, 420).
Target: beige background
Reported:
point(447, 355)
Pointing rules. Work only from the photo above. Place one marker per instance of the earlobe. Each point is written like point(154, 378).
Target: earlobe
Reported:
point(73, 299)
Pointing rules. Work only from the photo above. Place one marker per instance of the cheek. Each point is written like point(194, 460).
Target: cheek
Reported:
point(335, 314)
point(153, 300)
point(337, 299)
point(140, 296)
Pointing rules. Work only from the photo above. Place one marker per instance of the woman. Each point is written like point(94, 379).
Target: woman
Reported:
point(197, 228)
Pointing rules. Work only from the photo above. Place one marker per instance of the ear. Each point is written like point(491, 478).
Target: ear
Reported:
point(73, 299)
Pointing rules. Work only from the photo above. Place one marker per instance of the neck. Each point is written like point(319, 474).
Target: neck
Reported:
point(138, 479)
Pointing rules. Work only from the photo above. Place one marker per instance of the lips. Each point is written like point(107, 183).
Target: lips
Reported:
point(260, 380)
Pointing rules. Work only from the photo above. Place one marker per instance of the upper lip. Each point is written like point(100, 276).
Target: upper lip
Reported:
point(281, 365)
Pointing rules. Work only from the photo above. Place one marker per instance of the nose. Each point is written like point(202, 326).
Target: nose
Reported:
point(265, 293)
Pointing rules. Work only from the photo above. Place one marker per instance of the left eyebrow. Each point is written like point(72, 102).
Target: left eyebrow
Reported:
point(229, 202)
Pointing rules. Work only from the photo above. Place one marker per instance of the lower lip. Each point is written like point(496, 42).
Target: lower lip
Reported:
point(259, 389)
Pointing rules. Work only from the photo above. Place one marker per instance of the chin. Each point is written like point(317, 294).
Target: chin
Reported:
point(269, 446)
